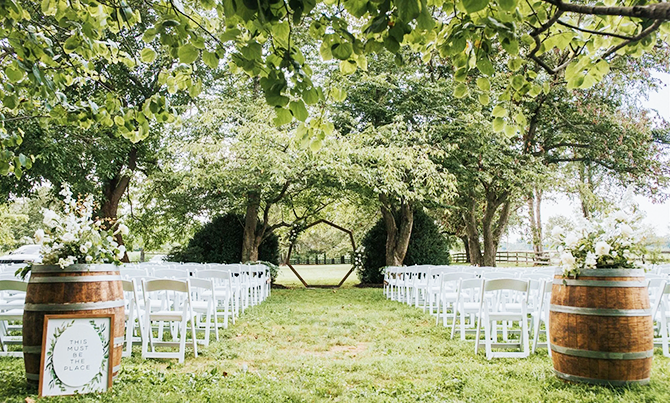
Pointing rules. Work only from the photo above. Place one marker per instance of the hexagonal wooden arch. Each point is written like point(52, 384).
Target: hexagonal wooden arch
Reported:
point(353, 248)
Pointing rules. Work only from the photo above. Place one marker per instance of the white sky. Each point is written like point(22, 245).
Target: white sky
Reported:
point(657, 215)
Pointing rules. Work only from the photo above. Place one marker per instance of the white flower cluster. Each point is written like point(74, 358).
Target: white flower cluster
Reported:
point(613, 242)
point(75, 237)
point(358, 257)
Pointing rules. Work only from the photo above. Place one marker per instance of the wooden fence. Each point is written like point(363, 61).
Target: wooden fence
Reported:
point(516, 257)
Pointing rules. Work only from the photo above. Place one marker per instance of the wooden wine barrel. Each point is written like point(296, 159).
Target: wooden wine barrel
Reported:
point(600, 327)
point(91, 289)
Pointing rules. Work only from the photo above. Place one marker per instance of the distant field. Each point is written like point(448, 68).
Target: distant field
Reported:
point(317, 275)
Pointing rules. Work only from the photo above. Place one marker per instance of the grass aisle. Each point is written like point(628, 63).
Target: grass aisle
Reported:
point(348, 345)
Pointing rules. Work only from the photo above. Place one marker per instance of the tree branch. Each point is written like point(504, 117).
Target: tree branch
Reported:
point(657, 11)
point(653, 27)
point(588, 31)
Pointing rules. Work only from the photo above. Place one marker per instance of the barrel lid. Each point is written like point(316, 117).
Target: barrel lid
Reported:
point(75, 268)
point(606, 272)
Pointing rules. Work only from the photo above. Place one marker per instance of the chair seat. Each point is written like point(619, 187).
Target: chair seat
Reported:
point(165, 315)
point(12, 314)
point(498, 316)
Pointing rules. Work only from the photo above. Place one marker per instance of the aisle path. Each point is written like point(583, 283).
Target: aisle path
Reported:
point(347, 345)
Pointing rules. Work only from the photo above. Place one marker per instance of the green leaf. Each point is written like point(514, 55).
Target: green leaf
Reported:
point(408, 9)
point(348, 67)
point(484, 65)
point(119, 120)
point(299, 110)
point(315, 145)
point(510, 130)
point(188, 53)
point(338, 94)
point(283, 117)
point(511, 46)
point(357, 8)
point(14, 73)
point(507, 5)
point(484, 84)
point(518, 81)
point(49, 7)
point(472, 6)
point(210, 59)
point(484, 99)
point(520, 119)
point(498, 125)
point(310, 96)
point(499, 112)
point(461, 74)
point(460, 91)
point(342, 51)
point(148, 55)
point(514, 64)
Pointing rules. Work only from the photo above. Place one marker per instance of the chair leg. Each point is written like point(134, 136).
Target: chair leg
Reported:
point(536, 332)
point(479, 324)
point(488, 329)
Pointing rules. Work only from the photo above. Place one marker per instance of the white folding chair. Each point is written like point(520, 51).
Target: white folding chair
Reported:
point(448, 294)
point(176, 310)
point(178, 274)
point(467, 304)
point(496, 293)
point(224, 295)
point(662, 310)
point(133, 317)
point(12, 294)
point(540, 316)
point(203, 301)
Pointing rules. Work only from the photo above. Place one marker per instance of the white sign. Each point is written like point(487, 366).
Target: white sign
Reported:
point(76, 354)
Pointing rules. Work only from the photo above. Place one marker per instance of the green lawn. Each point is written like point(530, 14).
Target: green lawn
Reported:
point(346, 345)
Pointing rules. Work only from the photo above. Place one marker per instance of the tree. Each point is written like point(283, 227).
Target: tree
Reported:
point(384, 120)
point(49, 48)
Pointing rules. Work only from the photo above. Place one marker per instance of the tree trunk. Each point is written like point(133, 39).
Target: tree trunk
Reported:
point(492, 228)
point(113, 190)
point(585, 190)
point(472, 234)
point(249, 239)
point(466, 243)
point(534, 204)
point(397, 233)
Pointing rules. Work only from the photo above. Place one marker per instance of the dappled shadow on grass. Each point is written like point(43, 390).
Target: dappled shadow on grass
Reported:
point(345, 345)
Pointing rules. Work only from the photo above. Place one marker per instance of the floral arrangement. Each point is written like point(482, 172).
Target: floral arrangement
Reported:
point(616, 241)
point(359, 255)
point(75, 237)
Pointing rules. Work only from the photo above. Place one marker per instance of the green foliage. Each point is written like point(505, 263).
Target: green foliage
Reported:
point(427, 245)
point(220, 241)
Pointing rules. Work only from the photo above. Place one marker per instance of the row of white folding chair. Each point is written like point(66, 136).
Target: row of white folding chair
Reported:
point(12, 299)
point(171, 303)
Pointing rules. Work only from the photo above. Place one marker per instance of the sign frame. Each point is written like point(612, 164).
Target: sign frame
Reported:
point(81, 318)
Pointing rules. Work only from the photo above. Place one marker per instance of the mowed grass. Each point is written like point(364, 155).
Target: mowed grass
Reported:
point(317, 275)
point(346, 345)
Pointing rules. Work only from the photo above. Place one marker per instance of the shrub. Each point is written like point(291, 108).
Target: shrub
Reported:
point(220, 241)
point(426, 246)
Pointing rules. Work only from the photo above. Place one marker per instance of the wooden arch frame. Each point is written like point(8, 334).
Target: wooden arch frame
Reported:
point(353, 248)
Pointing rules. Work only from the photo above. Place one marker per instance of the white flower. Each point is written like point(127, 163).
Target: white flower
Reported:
point(50, 218)
point(88, 258)
point(122, 229)
point(39, 236)
point(88, 244)
point(68, 237)
point(626, 230)
point(614, 254)
point(602, 248)
point(567, 259)
point(83, 248)
point(571, 240)
point(557, 231)
point(591, 260)
point(620, 215)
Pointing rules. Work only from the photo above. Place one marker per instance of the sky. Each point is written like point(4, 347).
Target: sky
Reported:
point(657, 215)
